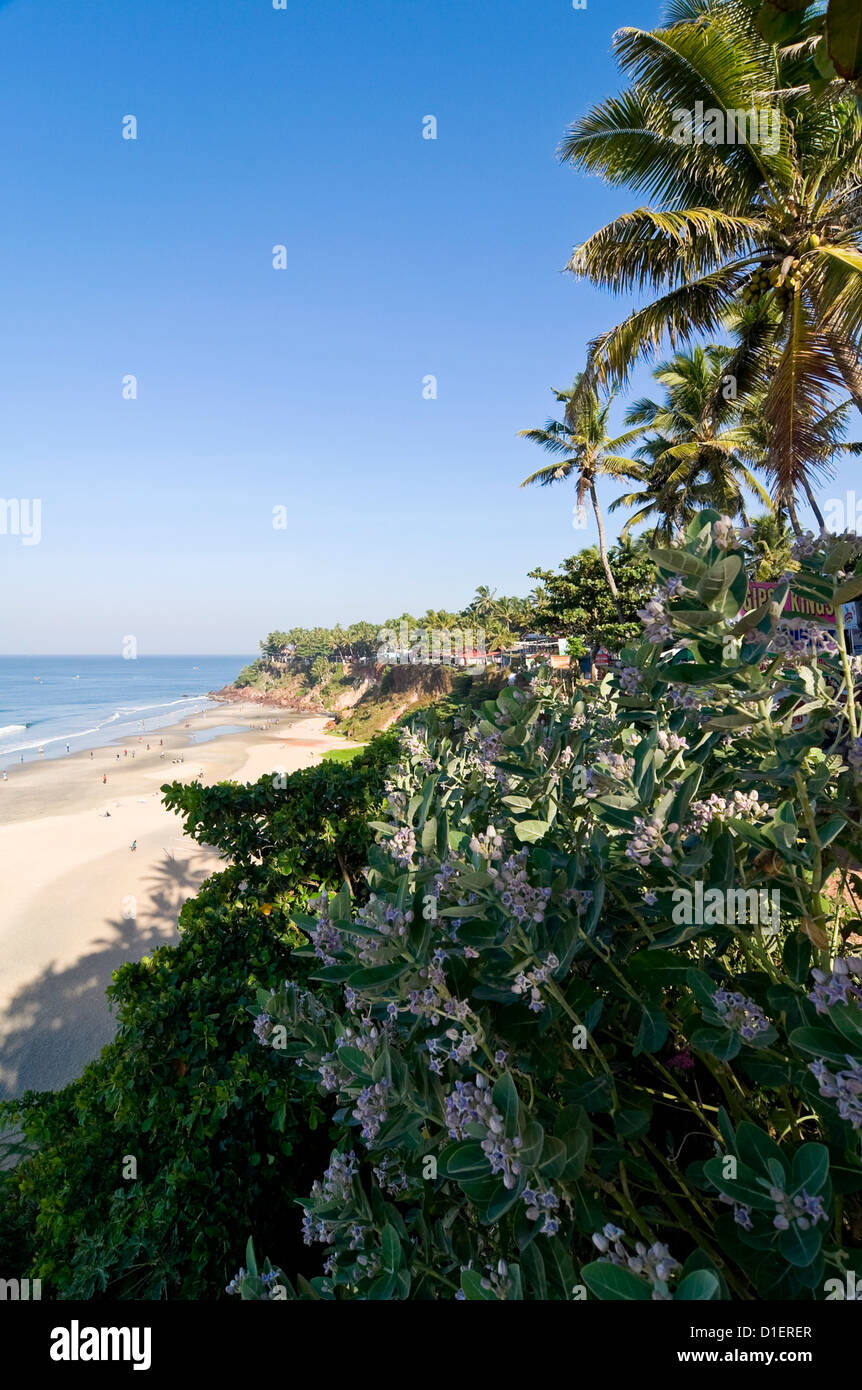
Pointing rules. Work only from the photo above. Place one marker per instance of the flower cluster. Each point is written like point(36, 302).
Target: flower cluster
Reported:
point(740, 1014)
point(844, 1087)
point(495, 1279)
point(267, 1279)
point(458, 1046)
point(726, 537)
point(542, 1202)
point(332, 1190)
point(671, 743)
point(515, 892)
point(402, 846)
point(391, 1176)
point(484, 752)
point(619, 766)
point(370, 1109)
point(414, 744)
point(744, 805)
point(656, 1262)
point(630, 679)
point(472, 1104)
point(263, 1026)
point(655, 616)
point(325, 938)
point(530, 982)
point(807, 545)
point(802, 1209)
point(648, 841)
point(842, 985)
point(804, 642)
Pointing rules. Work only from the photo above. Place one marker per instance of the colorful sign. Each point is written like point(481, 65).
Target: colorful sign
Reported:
point(795, 606)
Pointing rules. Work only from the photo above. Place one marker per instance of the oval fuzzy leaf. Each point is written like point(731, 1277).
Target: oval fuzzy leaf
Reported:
point(614, 1283)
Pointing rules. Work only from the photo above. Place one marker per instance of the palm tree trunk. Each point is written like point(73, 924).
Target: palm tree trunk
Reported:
point(794, 519)
point(606, 564)
point(848, 365)
point(813, 503)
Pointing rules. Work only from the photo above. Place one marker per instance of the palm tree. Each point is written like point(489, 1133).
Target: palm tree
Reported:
point(770, 220)
point(483, 603)
point(583, 447)
point(511, 612)
point(770, 546)
point(699, 438)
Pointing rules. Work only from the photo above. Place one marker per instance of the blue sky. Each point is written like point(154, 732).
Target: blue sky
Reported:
point(301, 388)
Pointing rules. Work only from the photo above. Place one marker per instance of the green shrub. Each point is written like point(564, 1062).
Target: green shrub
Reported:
point(551, 1082)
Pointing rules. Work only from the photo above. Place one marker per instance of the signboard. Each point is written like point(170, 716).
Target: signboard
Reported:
point(795, 606)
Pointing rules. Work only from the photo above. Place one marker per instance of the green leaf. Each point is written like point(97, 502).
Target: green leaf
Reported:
point(505, 1097)
point(429, 835)
point(744, 1188)
point(797, 957)
point(615, 1283)
point(474, 1289)
point(391, 1249)
point(820, 1042)
point(756, 1148)
point(382, 1288)
point(463, 1160)
point(374, 975)
point(529, 831)
point(810, 1169)
point(699, 1286)
point(697, 617)
point(652, 1032)
point(799, 1247)
point(678, 562)
point(354, 1060)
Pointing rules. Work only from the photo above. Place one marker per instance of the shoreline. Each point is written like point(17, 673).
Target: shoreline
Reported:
point(78, 903)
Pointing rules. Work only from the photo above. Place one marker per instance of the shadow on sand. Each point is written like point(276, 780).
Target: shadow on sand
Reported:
point(61, 1020)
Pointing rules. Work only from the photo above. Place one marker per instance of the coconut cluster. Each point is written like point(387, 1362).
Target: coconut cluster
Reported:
point(780, 278)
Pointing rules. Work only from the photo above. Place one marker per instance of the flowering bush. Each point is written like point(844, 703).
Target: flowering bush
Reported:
point(546, 1081)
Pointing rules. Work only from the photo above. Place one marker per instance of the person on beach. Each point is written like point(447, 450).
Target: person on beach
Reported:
point(68, 749)
point(104, 779)
point(91, 752)
point(133, 846)
point(4, 776)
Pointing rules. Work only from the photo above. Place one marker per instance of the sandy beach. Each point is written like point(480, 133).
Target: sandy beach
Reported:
point(77, 902)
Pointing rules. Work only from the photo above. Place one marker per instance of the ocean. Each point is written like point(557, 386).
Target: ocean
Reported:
point(47, 702)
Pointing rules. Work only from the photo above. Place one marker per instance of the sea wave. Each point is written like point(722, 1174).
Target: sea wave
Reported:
point(162, 704)
point(123, 713)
